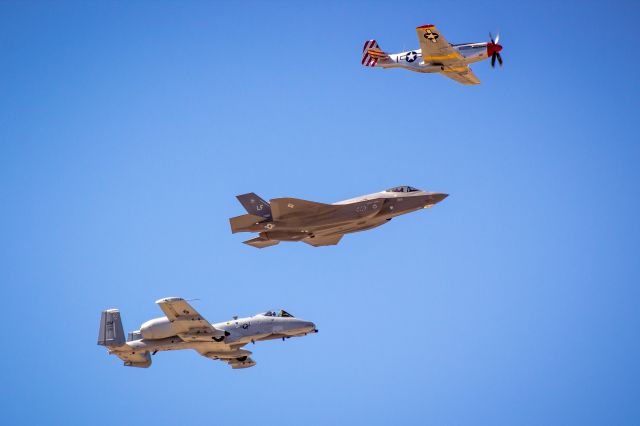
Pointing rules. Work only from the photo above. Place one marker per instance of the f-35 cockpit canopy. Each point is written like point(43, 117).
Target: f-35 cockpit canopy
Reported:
point(402, 189)
point(282, 313)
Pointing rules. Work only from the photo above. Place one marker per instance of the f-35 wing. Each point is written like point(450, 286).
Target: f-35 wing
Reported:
point(462, 74)
point(190, 325)
point(291, 208)
point(435, 48)
point(320, 240)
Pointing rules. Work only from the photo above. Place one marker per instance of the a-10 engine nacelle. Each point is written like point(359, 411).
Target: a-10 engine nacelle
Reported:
point(161, 328)
point(158, 328)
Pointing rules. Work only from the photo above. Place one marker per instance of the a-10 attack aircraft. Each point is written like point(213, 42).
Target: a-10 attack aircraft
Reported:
point(435, 55)
point(184, 328)
point(317, 224)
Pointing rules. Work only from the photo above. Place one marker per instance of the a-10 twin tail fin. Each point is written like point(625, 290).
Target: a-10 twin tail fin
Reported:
point(112, 336)
point(111, 332)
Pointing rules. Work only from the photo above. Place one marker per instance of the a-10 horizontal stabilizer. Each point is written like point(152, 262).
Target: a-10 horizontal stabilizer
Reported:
point(135, 359)
point(260, 242)
point(241, 223)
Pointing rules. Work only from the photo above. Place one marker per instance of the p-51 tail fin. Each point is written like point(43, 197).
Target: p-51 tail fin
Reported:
point(371, 53)
point(255, 205)
point(111, 332)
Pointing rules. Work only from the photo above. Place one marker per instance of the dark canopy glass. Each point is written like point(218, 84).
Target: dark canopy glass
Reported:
point(402, 189)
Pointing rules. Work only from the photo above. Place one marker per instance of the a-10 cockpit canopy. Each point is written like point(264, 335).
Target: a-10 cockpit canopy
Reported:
point(282, 313)
point(402, 189)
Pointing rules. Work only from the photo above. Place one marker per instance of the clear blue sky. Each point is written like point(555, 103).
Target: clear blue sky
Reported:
point(127, 128)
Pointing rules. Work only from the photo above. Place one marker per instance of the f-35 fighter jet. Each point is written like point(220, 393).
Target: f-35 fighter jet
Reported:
point(183, 327)
point(317, 224)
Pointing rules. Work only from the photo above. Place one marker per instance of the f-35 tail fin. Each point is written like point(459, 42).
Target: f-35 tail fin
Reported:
point(255, 205)
point(111, 332)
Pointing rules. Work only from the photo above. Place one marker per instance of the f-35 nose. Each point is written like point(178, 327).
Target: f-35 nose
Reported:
point(438, 196)
point(434, 198)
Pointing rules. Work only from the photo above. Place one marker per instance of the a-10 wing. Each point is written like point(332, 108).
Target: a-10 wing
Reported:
point(191, 325)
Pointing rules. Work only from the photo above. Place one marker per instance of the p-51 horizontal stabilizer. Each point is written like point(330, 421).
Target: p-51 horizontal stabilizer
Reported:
point(261, 242)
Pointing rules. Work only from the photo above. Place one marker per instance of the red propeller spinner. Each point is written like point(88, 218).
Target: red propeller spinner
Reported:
point(493, 50)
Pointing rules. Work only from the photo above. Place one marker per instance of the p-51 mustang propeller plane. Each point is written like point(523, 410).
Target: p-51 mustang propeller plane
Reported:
point(183, 327)
point(436, 55)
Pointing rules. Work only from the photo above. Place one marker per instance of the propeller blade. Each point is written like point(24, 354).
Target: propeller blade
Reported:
point(493, 60)
point(491, 38)
point(497, 38)
point(499, 59)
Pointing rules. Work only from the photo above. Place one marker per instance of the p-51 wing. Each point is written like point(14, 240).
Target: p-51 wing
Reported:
point(190, 325)
point(461, 74)
point(435, 48)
